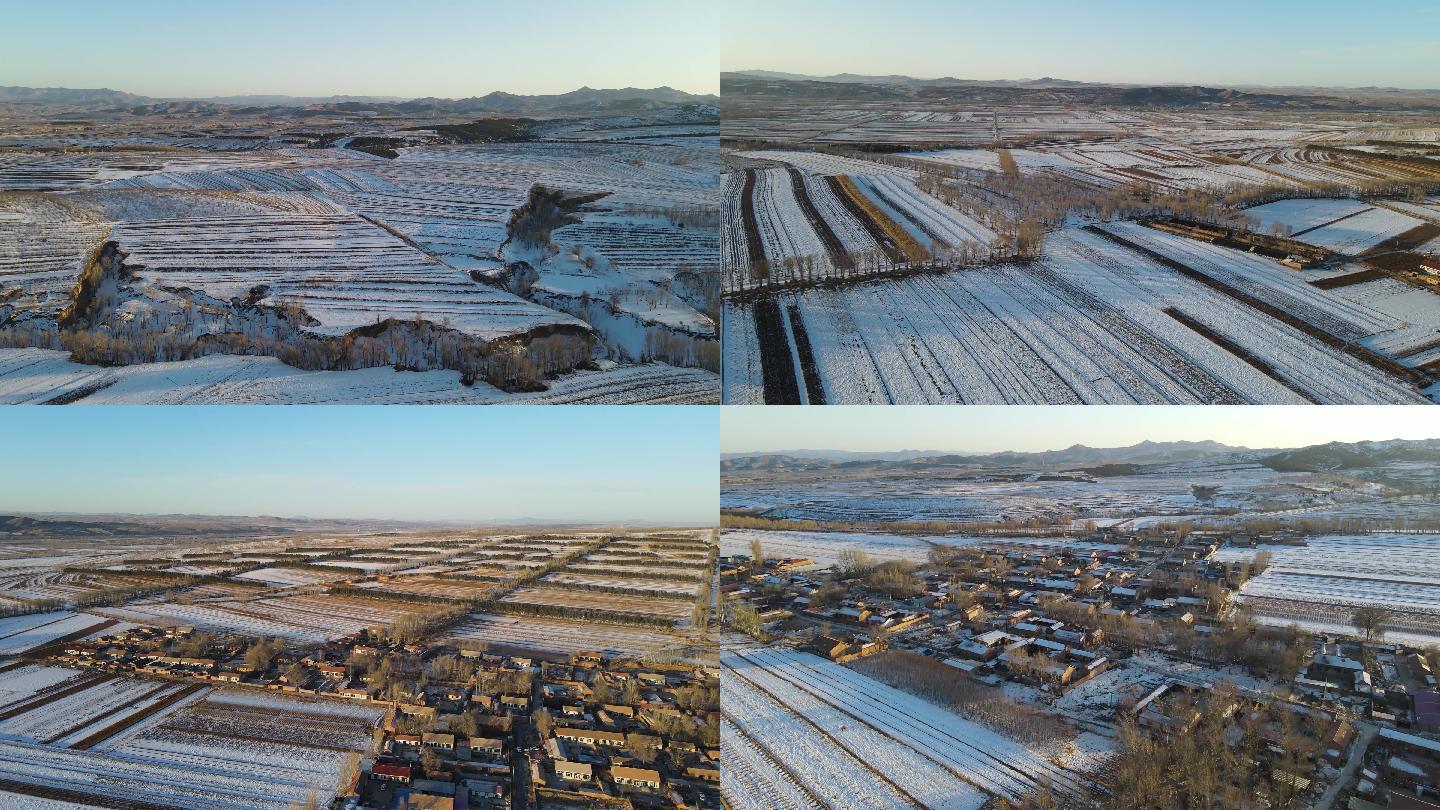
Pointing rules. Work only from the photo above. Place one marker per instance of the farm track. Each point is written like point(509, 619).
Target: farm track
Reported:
point(776, 363)
point(1413, 377)
point(1419, 349)
point(1336, 282)
point(1409, 240)
point(910, 248)
point(909, 215)
point(838, 255)
point(1239, 351)
point(101, 735)
point(76, 394)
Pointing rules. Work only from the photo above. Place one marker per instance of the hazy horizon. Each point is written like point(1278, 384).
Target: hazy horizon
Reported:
point(998, 79)
point(330, 95)
point(1040, 428)
point(1286, 43)
point(442, 48)
point(487, 466)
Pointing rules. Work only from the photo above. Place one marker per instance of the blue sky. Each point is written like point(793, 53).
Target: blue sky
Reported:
point(480, 465)
point(1276, 42)
point(447, 48)
point(1033, 428)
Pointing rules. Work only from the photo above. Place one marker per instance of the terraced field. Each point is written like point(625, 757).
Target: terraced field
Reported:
point(34, 376)
point(345, 272)
point(334, 259)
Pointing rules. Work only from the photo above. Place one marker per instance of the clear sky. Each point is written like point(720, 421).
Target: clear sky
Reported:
point(411, 48)
point(481, 465)
point(984, 429)
point(1276, 42)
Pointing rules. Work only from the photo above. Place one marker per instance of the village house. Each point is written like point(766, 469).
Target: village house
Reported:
point(391, 772)
point(642, 778)
point(444, 742)
point(572, 771)
point(491, 747)
point(591, 737)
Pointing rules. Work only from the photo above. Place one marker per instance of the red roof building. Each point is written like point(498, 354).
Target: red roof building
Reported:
point(395, 773)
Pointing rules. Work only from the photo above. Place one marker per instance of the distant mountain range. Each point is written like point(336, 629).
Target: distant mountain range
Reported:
point(1357, 455)
point(1146, 452)
point(584, 101)
point(1319, 458)
point(859, 87)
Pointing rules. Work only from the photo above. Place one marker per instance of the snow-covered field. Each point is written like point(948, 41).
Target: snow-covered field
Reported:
point(1154, 491)
point(212, 750)
point(636, 584)
point(22, 633)
point(752, 781)
point(348, 240)
point(1318, 585)
point(308, 617)
point(558, 635)
point(33, 376)
point(1091, 322)
point(291, 576)
point(1361, 232)
point(926, 755)
point(1109, 163)
point(1304, 214)
point(824, 547)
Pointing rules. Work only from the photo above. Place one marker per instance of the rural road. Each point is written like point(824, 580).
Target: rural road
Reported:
point(1357, 758)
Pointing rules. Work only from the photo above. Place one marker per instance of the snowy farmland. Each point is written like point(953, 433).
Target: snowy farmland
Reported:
point(884, 274)
point(315, 617)
point(335, 259)
point(1318, 585)
point(992, 492)
point(20, 634)
point(559, 635)
point(34, 376)
point(823, 548)
point(116, 738)
point(849, 738)
point(1093, 321)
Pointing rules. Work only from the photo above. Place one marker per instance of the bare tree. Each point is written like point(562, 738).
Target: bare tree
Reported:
point(1370, 620)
